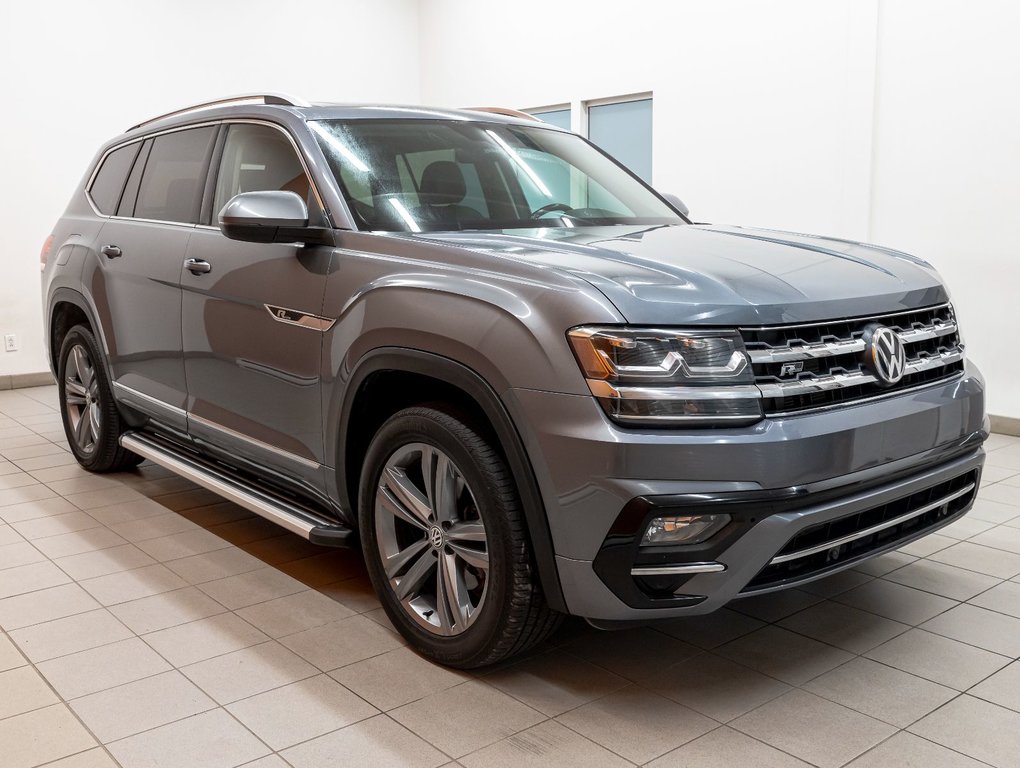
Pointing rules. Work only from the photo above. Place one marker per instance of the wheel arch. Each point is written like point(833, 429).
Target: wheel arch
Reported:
point(434, 377)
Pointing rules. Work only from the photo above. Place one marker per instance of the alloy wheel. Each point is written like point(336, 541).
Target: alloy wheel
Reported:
point(431, 539)
point(81, 394)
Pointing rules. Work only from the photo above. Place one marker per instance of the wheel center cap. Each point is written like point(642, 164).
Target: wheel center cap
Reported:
point(436, 537)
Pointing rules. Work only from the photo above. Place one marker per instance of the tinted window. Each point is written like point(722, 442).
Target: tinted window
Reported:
point(109, 182)
point(258, 158)
point(558, 117)
point(172, 184)
point(624, 130)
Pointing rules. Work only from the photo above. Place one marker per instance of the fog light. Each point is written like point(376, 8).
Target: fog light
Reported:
point(684, 529)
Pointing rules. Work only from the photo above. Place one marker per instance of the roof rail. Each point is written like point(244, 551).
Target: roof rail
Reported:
point(504, 111)
point(244, 98)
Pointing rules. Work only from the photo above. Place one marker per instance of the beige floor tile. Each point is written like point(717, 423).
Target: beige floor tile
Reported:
point(103, 498)
point(1004, 598)
point(440, 718)
point(1002, 688)
point(964, 528)
point(14, 480)
point(36, 510)
point(555, 682)
point(196, 497)
point(711, 630)
point(30, 578)
point(545, 744)
point(211, 740)
point(933, 542)
point(986, 629)
point(974, 557)
point(55, 525)
point(44, 605)
point(940, 579)
point(205, 638)
point(717, 687)
point(635, 654)
point(130, 511)
point(896, 601)
point(23, 746)
point(269, 761)
point(9, 536)
point(1003, 537)
point(301, 711)
point(1006, 493)
point(294, 613)
point(41, 462)
point(244, 673)
point(60, 473)
point(67, 544)
point(785, 655)
point(880, 691)
point(38, 447)
point(775, 605)
point(377, 742)
point(844, 626)
point(138, 706)
point(248, 530)
point(97, 669)
point(216, 514)
point(82, 484)
point(813, 729)
point(71, 634)
point(218, 564)
point(637, 724)
point(977, 728)
point(938, 659)
point(992, 511)
point(726, 748)
point(19, 553)
point(356, 593)
point(883, 564)
point(93, 758)
point(132, 585)
point(178, 545)
point(396, 678)
point(23, 494)
point(23, 690)
point(102, 562)
point(10, 657)
point(342, 642)
point(327, 568)
point(153, 527)
point(283, 549)
point(836, 584)
point(905, 750)
point(250, 588)
point(168, 609)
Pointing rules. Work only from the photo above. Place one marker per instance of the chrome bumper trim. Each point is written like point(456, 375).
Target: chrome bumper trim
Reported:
point(677, 570)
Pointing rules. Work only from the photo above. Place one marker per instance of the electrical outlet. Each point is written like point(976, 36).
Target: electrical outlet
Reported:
point(11, 343)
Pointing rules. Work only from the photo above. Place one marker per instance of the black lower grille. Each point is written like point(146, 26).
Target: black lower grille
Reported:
point(828, 558)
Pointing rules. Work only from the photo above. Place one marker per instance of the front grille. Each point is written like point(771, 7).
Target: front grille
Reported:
point(830, 354)
point(833, 544)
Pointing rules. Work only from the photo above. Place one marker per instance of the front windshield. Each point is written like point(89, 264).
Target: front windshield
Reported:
point(439, 175)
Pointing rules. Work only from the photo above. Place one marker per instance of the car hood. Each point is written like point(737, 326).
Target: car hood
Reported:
point(720, 275)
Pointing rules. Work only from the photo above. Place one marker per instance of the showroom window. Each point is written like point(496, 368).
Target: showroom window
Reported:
point(558, 116)
point(109, 182)
point(171, 186)
point(258, 158)
point(623, 128)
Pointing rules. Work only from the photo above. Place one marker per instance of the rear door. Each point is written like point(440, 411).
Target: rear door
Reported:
point(252, 331)
point(135, 281)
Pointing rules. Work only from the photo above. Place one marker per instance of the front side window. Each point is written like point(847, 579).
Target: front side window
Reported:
point(439, 175)
point(258, 158)
point(174, 177)
point(108, 185)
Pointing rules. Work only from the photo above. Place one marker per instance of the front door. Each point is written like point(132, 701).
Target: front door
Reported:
point(251, 325)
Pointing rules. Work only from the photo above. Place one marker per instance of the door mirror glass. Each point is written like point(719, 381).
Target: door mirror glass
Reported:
point(677, 203)
point(265, 217)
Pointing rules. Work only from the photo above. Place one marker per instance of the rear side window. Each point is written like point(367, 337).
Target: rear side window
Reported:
point(174, 177)
point(109, 182)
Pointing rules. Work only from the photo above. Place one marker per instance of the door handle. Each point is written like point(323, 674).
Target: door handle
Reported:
point(197, 266)
point(111, 251)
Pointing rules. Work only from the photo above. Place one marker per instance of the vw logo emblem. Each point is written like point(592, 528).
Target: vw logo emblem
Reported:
point(885, 354)
point(436, 537)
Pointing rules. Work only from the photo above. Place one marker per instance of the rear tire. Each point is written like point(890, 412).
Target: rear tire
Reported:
point(445, 541)
point(92, 423)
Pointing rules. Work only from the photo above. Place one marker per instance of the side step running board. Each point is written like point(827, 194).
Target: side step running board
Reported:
point(288, 513)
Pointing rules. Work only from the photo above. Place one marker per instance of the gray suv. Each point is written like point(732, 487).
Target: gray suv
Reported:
point(520, 377)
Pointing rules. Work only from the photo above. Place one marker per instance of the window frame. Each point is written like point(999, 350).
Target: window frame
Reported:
point(587, 104)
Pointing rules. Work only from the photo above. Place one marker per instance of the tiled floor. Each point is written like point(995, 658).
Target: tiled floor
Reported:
point(146, 622)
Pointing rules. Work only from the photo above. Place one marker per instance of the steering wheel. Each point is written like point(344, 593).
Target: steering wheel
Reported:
point(563, 207)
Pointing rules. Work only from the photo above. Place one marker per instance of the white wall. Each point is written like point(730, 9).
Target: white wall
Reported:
point(74, 74)
point(891, 121)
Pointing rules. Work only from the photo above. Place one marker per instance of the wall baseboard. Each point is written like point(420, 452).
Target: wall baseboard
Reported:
point(21, 380)
point(1005, 425)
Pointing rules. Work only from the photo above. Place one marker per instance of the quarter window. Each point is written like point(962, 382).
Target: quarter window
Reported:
point(174, 176)
point(109, 182)
point(258, 158)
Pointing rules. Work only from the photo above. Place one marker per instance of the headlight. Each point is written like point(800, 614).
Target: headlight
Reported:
point(668, 378)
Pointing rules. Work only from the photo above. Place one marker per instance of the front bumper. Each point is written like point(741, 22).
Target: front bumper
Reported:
point(785, 475)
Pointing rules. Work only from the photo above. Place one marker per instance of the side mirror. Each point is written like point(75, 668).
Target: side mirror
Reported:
point(677, 203)
point(267, 217)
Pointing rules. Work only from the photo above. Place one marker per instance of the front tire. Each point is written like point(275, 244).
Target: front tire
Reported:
point(92, 423)
point(445, 541)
